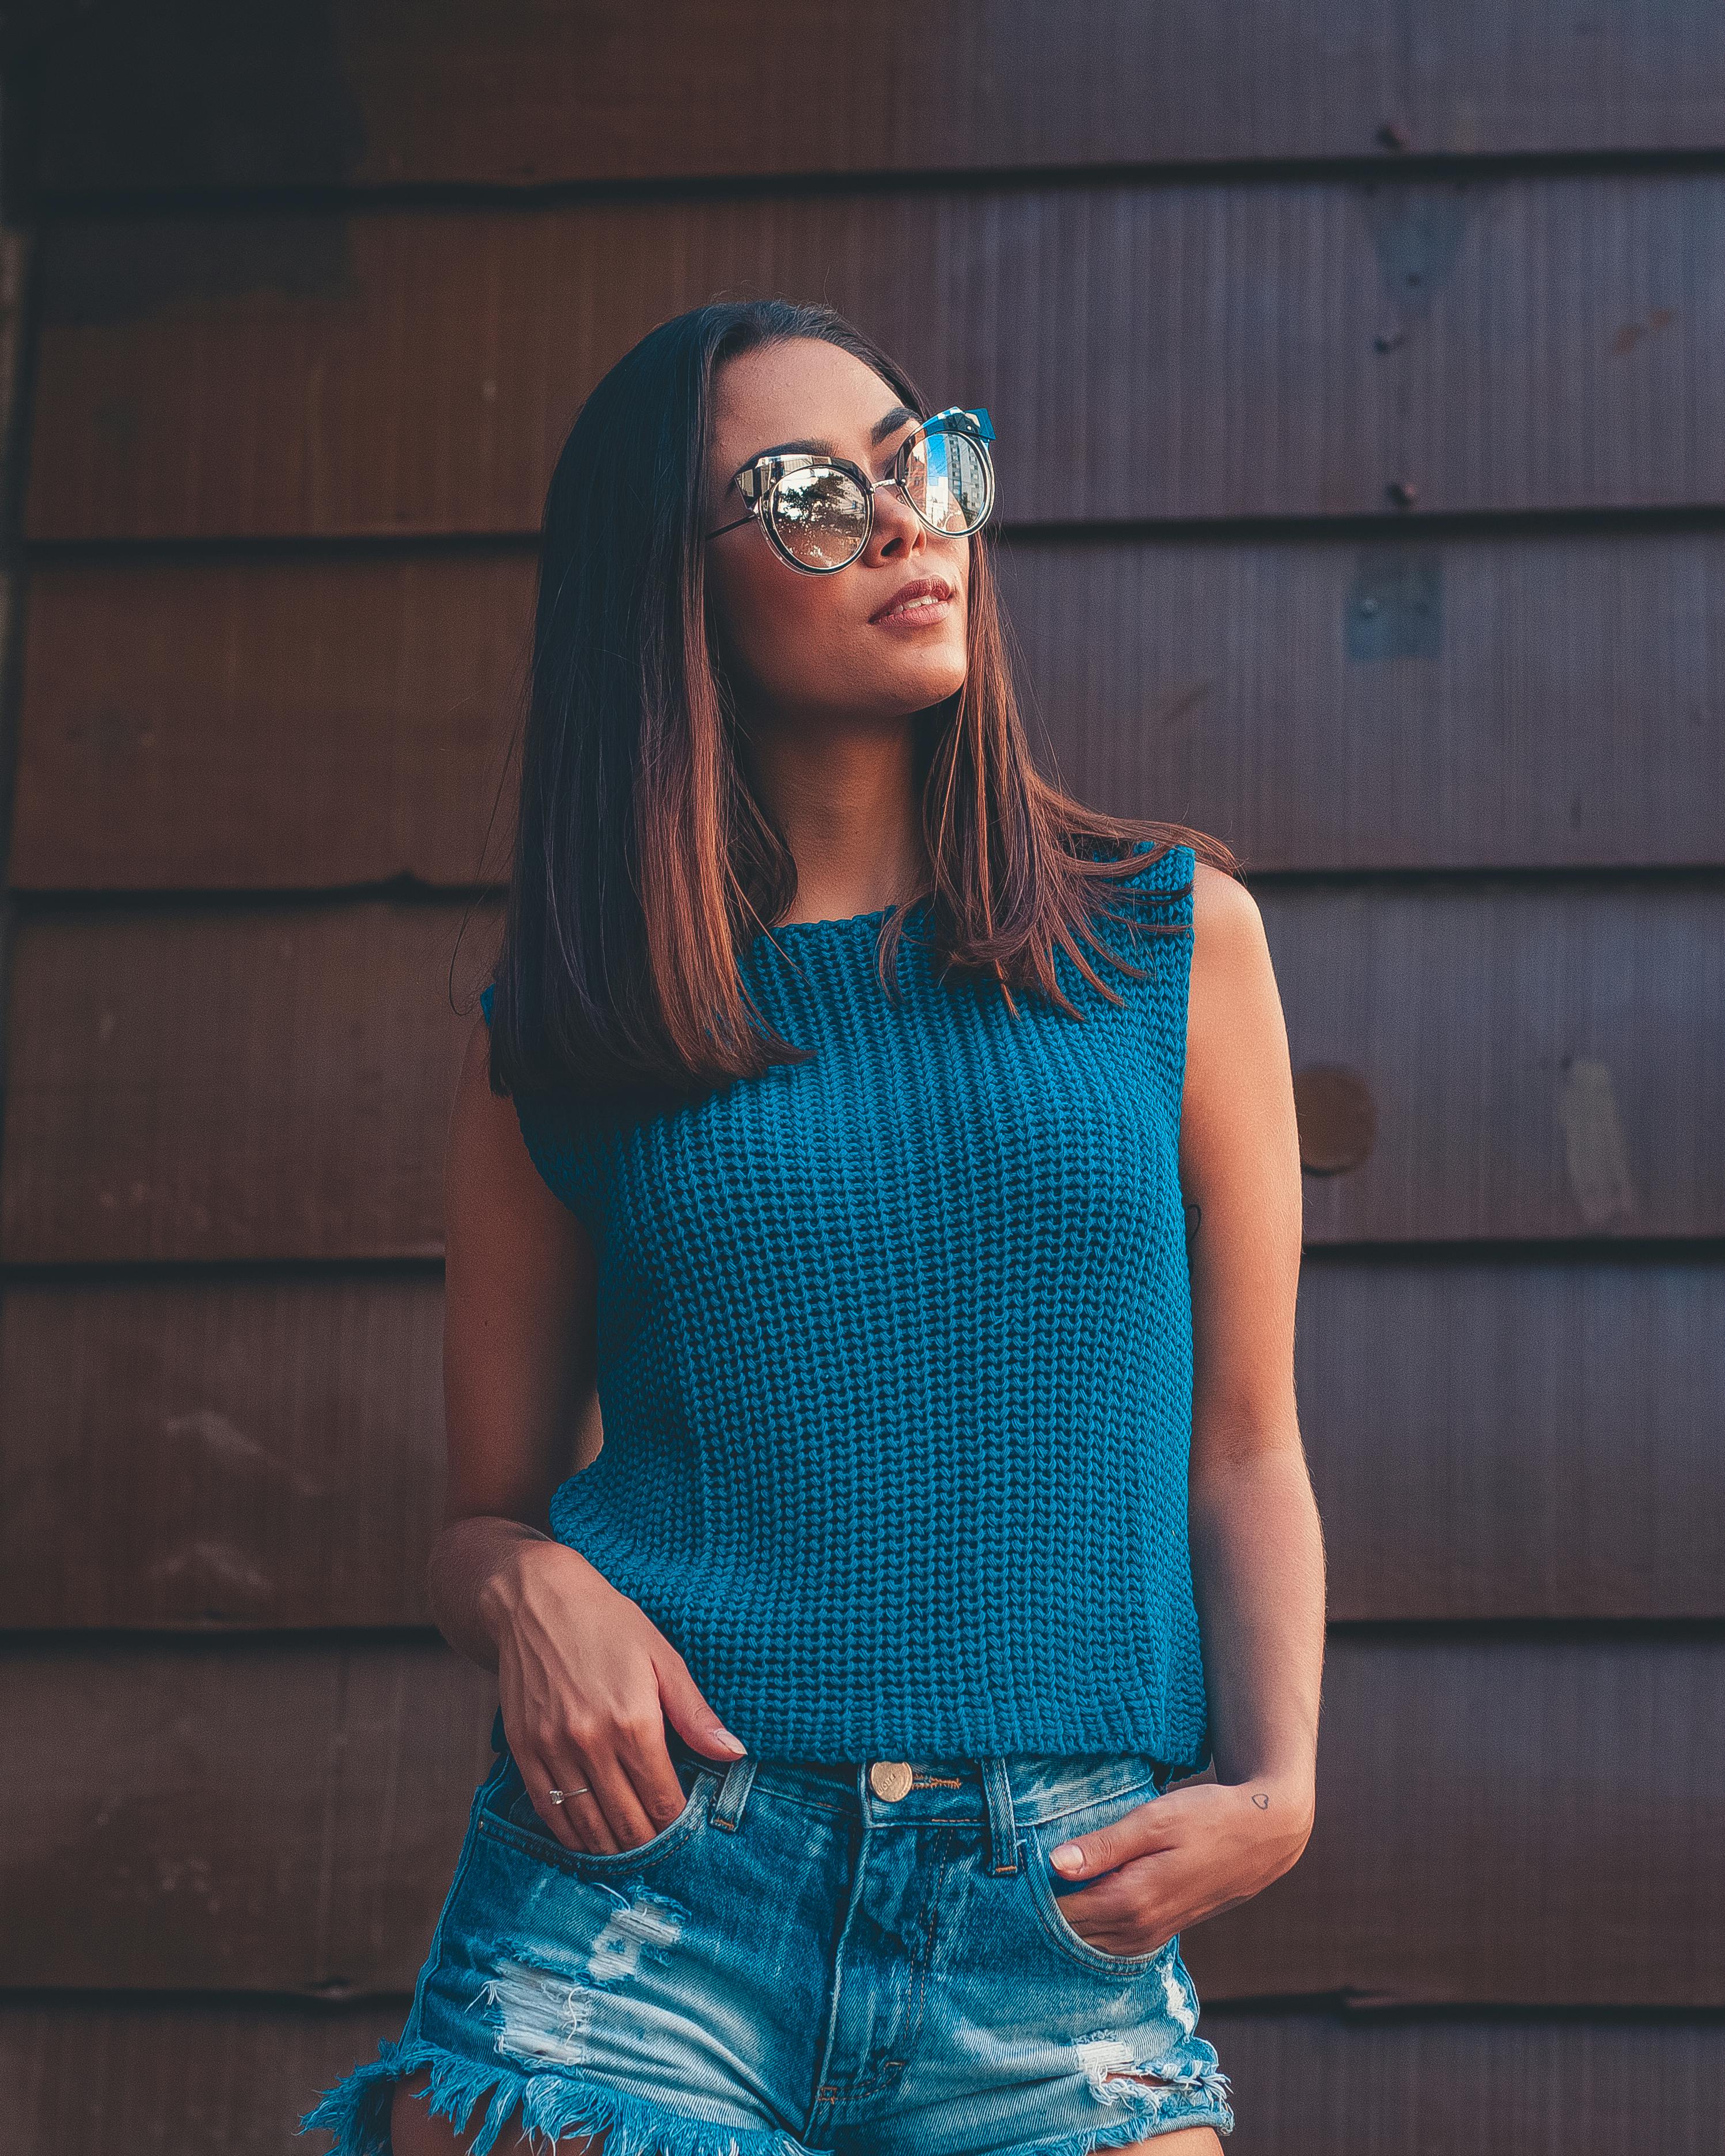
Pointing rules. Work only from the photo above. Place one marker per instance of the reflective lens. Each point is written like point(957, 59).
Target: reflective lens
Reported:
point(820, 516)
point(948, 480)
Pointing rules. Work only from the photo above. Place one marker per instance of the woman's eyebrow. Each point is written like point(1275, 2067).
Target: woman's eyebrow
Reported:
point(812, 446)
point(890, 424)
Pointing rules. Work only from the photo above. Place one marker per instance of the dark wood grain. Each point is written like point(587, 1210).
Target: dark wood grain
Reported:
point(1544, 1059)
point(1141, 346)
point(1366, 2085)
point(1511, 1438)
point(231, 2077)
point(259, 724)
point(236, 1451)
point(1518, 700)
point(172, 2077)
point(303, 721)
point(506, 93)
point(275, 1081)
point(270, 1082)
point(286, 1818)
point(1516, 1437)
point(247, 1818)
point(1500, 1821)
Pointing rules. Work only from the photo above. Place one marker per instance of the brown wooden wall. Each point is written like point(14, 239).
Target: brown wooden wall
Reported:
point(1363, 464)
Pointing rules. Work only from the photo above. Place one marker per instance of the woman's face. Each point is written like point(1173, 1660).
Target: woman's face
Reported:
point(798, 646)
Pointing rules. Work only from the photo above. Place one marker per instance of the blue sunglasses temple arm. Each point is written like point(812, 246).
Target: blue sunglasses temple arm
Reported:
point(981, 425)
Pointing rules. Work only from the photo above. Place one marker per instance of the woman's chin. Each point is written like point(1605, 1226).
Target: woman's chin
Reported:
point(877, 687)
point(917, 679)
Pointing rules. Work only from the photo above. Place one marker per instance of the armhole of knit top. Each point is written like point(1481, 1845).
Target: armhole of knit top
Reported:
point(1178, 866)
point(552, 1146)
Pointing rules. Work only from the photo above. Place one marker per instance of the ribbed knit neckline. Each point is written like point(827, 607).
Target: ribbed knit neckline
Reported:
point(837, 923)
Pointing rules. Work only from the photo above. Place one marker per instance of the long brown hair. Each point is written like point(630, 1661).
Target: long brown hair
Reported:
point(644, 861)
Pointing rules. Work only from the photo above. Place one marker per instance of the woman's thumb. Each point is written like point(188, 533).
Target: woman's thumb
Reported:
point(694, 1721)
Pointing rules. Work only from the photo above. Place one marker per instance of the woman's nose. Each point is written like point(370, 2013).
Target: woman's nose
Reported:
point(894, 520)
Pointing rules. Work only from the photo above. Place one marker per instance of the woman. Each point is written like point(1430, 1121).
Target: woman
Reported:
point(904, 1156)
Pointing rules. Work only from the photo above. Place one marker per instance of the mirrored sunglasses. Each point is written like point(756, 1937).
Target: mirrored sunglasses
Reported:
point(818, 511)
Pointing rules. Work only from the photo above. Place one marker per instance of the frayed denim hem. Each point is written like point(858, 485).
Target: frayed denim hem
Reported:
point(356, 2110)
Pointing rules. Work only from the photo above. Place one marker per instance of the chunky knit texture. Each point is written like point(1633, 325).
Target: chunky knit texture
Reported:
point(895, 1357)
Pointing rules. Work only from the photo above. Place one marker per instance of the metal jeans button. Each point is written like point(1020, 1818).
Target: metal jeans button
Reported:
point(890, 1779)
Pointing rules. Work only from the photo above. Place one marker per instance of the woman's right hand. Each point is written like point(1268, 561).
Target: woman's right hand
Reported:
point(586, 1682)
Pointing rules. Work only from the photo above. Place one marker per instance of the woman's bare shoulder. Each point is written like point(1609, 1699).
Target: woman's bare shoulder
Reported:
point(490, 1177)
point(1227, 926)
point(1234, 1020)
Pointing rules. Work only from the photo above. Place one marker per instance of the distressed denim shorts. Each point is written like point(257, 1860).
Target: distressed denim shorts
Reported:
point(799, 1961)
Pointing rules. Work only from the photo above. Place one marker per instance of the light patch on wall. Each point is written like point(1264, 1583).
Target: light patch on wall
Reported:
point(1595, 1153)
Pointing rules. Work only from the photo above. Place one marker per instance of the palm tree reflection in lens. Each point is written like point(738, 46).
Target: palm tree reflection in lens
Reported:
point(820, 516)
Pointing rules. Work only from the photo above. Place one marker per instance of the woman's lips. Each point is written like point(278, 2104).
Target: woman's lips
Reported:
point(915, 615)
point(918, 612)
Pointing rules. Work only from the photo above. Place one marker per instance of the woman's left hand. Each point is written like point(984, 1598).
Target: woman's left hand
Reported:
point(1204, 1847)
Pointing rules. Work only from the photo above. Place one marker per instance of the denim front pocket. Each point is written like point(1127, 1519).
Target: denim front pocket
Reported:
point(1086, 1817)
point(508, 1815)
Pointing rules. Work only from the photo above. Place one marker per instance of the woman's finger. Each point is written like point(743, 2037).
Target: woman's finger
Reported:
point(644, 1755)
point(570, 1814)
point(612, 1817)
point(634, 1783)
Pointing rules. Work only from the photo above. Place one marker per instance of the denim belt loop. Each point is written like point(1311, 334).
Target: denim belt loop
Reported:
point(725, 1810)
point(1003, 1827)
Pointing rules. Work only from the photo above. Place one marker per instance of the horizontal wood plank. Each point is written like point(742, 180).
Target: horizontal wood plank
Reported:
point(239, 1451)
point(1516, 1437)
point(275, 1081)
point(1365, 2085)
point(1496, 1819)
point(308, 722)
point(247, 1818)
point(269, 724)
point(1515, 342)
point(1501, 1822)
point(509, 93)
point(231, 2078)
point(1540, 1061)
point(1525, 700)
point(1488, 1439)
point(201, 1083)
point(179, 2078)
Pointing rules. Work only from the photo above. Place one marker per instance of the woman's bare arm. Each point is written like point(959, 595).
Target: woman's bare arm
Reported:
point(1257, 1553)
point(1256, 1545)
point(518, 1354)
point(586, 1680)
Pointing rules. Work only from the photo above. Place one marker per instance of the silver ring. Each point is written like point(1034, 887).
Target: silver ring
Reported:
point(558, 1796)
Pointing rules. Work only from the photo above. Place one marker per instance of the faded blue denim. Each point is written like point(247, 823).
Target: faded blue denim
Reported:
point(798, 1963)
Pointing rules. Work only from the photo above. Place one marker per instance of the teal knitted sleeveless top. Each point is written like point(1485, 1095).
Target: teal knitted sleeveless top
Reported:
point(895, 1357)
